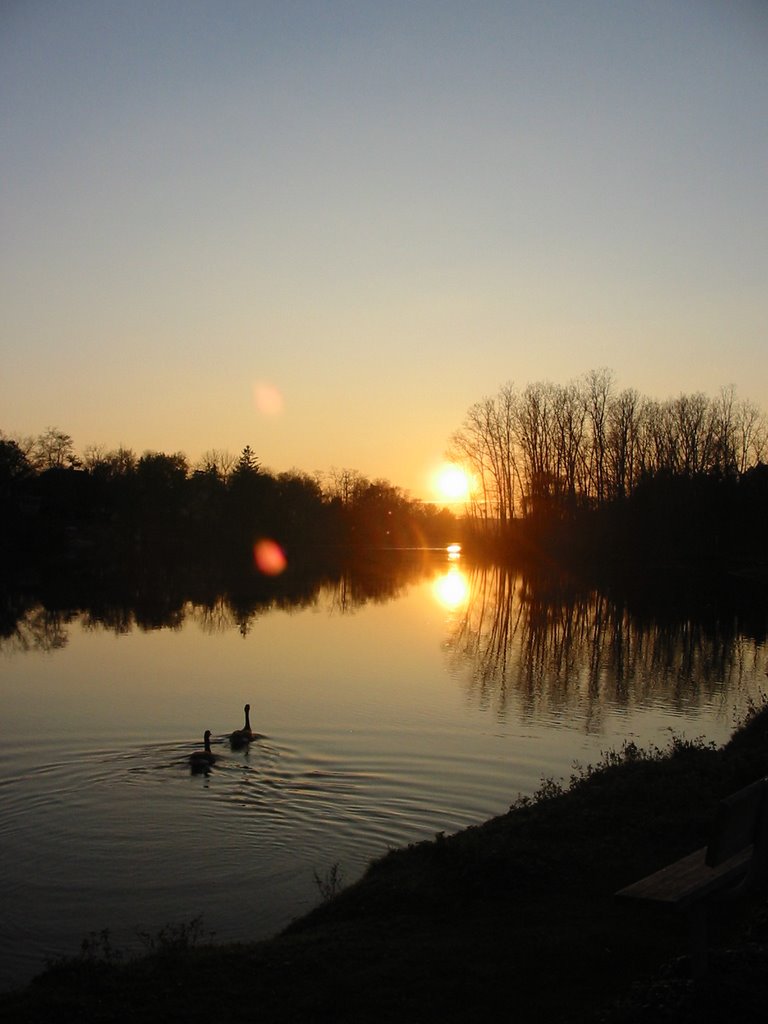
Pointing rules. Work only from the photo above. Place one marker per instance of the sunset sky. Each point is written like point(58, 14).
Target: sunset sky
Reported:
point(325, 229)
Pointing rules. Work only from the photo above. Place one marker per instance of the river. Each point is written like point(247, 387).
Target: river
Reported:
point(388, 708)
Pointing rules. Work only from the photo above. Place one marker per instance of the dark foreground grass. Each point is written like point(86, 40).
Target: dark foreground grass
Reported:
point(512, 919)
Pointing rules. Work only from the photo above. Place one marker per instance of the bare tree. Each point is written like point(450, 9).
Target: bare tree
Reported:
point(217, 462)
point(485, 446)
point(724, 431)
point(109, 464)
point(623, 443)
point(553, 447)
point(468, 447)
point(692, 419)
point(750, 436)
point(598, 386)
point(658, 439)
point(53, 449)
point(344, 485)
point(535, 436)
point(569, 413)
point(93, 456)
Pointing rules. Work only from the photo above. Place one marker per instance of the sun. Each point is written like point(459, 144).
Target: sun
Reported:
point(452, 483)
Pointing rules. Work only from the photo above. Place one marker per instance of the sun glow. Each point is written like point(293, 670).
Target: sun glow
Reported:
point(452, 483)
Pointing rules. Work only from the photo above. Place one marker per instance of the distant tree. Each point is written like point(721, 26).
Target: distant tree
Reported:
point(109, 465)
point(343, 485)
point(303, 486)
point(246, 479)
point(552, 453)
point(750, 436)
point(535, 431)
point(376, 512)
point(93, 456)
point(54, 449)
point(14, 464)
point(206, 496)
point(622, 439)
point(25, 444)
point(158, 466)
point(692, 428)
point(298, 506)
point(486, 445)
point(216, 462)
point(570, 414)
point(247, 464)
point(252, 498)
point(598, 393)
point(15, 472)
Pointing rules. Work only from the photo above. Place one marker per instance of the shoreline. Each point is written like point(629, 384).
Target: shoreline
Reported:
point(515, 915)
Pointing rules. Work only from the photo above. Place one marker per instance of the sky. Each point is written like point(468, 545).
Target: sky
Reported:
point(327, 229)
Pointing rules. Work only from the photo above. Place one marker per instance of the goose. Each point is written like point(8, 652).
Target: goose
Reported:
point(240, 737)
point(202, 759)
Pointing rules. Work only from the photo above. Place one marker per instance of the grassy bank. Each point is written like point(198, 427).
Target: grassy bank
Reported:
point(514, 917)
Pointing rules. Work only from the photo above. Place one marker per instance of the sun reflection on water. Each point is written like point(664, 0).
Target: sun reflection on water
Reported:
point(451, 589)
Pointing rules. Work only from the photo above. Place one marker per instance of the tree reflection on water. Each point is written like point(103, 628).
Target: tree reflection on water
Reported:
point(542, 644)
point(551, 645)
point(37, 617)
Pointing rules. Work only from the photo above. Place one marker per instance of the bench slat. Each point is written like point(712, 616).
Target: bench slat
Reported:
point(688, 879)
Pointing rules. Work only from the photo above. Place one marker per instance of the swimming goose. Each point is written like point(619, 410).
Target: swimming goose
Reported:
point(240, 737)
point(201, 759)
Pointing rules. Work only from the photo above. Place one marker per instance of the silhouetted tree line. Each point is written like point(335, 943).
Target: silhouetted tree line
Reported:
point(581, 471)
point(111, 508)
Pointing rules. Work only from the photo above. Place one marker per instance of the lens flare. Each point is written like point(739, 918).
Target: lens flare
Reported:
point(452, 589)
point(267, 398)
point(269, 557)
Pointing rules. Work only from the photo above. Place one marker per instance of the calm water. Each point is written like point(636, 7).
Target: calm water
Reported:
point(386, 714)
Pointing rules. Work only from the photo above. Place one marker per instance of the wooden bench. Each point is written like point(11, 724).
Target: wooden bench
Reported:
point(731, 868)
